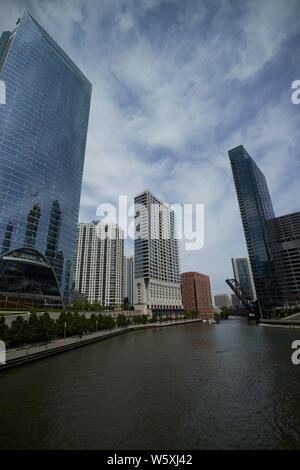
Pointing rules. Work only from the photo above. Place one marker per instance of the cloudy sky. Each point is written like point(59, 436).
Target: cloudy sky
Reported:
point(176, 84)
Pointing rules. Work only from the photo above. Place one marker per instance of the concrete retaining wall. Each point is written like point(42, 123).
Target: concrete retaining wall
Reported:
point(280, 323)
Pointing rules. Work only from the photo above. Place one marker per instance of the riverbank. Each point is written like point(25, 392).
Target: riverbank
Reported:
point(19, 356)
point(280, 323)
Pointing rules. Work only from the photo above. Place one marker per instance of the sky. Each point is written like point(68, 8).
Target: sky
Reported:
point(176, 84)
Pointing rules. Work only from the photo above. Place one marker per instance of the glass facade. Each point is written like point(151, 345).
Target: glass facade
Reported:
point(285, 232)
point(43, 129)
point(27, 277)
point(256, 210)
point(242, 273)
point(128, 279)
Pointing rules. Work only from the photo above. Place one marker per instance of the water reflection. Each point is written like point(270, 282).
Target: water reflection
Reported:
point(32, 225)
point(7, 237)
point(54, 255)
point(227, 386)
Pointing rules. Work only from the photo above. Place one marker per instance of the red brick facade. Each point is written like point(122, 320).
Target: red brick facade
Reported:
point(196, 294)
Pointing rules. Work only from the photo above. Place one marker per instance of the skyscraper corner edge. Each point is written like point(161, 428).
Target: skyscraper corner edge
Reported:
point(42, 167)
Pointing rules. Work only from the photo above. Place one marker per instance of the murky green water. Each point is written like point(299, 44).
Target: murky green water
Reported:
point(226, 386)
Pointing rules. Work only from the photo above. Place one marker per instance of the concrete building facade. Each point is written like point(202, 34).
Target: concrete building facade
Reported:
point(157, 270)
point(99, 263)
point(222, 300)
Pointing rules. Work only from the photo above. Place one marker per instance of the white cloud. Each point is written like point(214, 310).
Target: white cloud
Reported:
point(168, 102)
point(266, 26)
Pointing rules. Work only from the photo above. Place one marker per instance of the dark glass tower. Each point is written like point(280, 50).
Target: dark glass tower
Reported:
point(43, 129)
point(256, 210)
point(285, 231)
point(243, 275)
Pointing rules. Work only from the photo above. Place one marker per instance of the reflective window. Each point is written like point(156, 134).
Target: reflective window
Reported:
point(43, 128)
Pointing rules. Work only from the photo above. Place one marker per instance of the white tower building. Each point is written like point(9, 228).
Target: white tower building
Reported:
point(157, 269)
point(99, 262)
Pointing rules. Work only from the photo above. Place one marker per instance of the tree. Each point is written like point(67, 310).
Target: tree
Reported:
point(126, 305)
point(189, 315)
point(60, 325)
point(92, 323)
point(76, 326)
point(141, 319)
point(108, 322)
point(100, 322)
point(122, 320)
point(4, 330)
point(224, 313)
point(18, 332)
point(46, 327)
point(34, 329)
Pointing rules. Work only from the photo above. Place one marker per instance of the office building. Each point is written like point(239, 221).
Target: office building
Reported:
point(156, 253)
point(99, 261)
point(196, 294)
point(285, 231)
point(128, 281)
point(222, 300)
point(43, 130)
point(243, 274)
point(28, 279)
point(256, 210)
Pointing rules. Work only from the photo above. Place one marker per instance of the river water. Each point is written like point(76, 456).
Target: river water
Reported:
point(194, 386)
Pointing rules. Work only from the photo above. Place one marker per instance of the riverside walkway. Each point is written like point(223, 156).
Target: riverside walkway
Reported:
point(28, 353)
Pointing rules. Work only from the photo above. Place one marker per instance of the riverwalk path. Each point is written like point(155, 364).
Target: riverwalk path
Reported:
point(28, 353)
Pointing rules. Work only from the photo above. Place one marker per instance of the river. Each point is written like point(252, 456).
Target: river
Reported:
point(194, 386)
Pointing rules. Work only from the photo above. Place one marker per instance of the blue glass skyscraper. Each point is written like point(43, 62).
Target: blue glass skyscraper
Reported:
point(43, 130)
point(243, 275)
point(256, 210)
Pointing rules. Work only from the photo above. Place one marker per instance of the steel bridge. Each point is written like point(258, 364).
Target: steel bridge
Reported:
point(254, 313)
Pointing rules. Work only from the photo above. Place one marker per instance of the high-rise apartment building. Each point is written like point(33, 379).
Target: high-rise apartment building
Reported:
point(43, 130)
point(285, 231)
point(256, 210)
point(156, 253)
point(222, 300)
point(243, 274)
point(128, 282)
point(196, 294)
point(99, 261)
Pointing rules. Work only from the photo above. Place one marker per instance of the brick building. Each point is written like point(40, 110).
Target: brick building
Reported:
point(196, 294)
